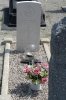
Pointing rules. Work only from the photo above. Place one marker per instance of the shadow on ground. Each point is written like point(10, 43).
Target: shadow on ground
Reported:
point(23, 90)
point(16, 51)
point(57, 69)
point(56, 11)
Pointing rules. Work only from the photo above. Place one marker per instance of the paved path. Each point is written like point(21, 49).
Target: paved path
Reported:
point(53, 14)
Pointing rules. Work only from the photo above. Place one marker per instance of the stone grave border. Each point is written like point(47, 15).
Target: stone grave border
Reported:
point(4, 87)
point(46, 44)
point(7, 41)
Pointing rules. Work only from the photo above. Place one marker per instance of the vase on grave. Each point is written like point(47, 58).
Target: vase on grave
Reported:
point(35, 87)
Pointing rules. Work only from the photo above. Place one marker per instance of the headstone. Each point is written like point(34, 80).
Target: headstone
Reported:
point(57, 69)
point(13, 14)
point(28, 25)
point(14, 2)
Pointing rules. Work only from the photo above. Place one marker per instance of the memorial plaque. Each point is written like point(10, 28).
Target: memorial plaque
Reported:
point(28, 25)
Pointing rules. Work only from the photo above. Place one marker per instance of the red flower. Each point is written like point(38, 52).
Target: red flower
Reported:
point(43, 80)
point(36, 71)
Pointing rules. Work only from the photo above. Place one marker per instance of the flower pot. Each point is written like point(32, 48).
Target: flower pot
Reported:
point(36, 87)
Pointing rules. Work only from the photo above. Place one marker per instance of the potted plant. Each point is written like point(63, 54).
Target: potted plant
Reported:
point(38, 73)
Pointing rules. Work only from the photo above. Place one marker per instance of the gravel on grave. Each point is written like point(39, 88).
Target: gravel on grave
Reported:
point(19, 86)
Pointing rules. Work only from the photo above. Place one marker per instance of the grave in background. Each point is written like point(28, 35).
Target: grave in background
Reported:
point(13, 15)
point(28, 25)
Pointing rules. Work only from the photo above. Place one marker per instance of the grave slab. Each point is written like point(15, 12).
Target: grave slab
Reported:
point(28, 25)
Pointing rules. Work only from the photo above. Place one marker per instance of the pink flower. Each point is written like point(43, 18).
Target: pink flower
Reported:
point(36, 71)
point(39, 66)
point(43, 80)
point(46, 65)
point(26, 69)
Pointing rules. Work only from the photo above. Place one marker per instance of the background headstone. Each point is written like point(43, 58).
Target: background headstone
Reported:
point(14, 4)
point(28, 25)
point(57, 69)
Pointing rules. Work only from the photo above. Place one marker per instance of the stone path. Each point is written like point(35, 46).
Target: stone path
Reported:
point(53, 14)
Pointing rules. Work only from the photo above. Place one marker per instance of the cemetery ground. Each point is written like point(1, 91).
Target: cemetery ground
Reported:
point(17, 88)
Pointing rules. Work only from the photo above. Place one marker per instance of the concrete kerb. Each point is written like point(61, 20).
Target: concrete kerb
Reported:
point(4, 90)
point(44, 40)
point(7, 40)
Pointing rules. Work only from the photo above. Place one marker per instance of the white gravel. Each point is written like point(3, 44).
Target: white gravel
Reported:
point(19, 86)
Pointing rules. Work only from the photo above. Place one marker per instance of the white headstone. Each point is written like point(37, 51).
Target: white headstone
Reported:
point(28, 25)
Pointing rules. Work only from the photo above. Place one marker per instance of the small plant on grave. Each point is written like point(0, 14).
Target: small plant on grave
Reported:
point(38, 73)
